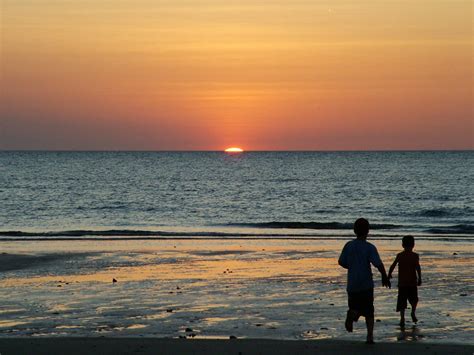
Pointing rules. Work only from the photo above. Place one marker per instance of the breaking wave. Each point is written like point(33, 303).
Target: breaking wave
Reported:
point(312, 225)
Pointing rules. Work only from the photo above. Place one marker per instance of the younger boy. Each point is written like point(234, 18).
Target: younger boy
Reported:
point(408, 270)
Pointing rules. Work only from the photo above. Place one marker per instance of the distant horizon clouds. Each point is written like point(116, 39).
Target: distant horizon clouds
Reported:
point(261, 75)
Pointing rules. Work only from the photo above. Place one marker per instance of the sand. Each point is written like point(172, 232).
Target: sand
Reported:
point(104, 346)
point(286, 290)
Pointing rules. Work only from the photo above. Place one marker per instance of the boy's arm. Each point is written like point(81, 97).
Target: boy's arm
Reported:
point(341, 263)
point(385, 279)
point(418, 271)
point(343, 259)
point(377, 262)
point(392, 267)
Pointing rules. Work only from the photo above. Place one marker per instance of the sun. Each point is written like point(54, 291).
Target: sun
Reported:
point(234, 150)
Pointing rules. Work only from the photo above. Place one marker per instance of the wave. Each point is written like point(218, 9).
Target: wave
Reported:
point(311, 225)
point(116, 235)
point(456, 229)
point(102, 208)
point(344, 228)
point(113, 232)
point(119, 233)
point(445, 212)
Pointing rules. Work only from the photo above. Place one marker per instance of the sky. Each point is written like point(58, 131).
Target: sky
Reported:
point(261, 75)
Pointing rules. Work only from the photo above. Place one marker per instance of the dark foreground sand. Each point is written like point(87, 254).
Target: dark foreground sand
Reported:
point(51, 346)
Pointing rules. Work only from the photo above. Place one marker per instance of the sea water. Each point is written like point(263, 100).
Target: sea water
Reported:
point(219, 194)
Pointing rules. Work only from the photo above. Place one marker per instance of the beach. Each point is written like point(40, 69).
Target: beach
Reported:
point(215, 289)
point(113, 346)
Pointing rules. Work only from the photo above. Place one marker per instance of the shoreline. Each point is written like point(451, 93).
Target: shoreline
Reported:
point(146, 345)
point(4, 237)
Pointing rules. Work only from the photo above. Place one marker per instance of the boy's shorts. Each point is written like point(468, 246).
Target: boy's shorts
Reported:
point(406, 293)
point(362, 302)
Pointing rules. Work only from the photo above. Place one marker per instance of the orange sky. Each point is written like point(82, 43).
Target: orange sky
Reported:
point(263, 75)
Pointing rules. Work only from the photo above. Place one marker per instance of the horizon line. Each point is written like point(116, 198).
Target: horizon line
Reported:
point(223, 150)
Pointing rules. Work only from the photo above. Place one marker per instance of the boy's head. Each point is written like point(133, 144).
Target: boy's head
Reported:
point(361, 228)
point(408, 242)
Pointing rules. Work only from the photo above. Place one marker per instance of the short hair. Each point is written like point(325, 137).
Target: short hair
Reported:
point(408, 241)
point(361, 227)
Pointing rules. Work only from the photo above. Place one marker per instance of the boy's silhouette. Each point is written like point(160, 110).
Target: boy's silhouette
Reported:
point(408, 270)
point(356, 257)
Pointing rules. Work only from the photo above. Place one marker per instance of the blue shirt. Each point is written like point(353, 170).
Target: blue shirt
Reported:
point(356, 257)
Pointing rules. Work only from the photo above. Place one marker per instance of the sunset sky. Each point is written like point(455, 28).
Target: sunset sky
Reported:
point(261, 75)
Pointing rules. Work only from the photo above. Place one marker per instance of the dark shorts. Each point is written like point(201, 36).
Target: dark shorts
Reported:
point(362, 302)
point(406, 293)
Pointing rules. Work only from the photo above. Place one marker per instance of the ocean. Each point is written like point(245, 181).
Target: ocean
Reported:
point(253, 194)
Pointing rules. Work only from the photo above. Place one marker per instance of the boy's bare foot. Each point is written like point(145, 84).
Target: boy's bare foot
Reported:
point(402, 324)
point(349, 321)
point(413, 317)
point(370, 340)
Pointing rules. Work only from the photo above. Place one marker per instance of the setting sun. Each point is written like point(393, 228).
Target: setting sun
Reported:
point(234, 150)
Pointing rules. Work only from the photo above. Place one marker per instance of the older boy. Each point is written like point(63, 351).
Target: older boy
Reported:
point(356, 257)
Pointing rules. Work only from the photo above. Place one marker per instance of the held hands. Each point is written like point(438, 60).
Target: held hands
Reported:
point(386, 281)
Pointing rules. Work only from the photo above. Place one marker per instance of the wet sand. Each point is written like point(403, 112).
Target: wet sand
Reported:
point(114, 346)
point(270, 289)
point(11, 262)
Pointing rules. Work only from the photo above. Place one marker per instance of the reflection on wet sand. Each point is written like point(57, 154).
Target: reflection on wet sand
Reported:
point(412, 333)
point(212, 268)
point(265, 289)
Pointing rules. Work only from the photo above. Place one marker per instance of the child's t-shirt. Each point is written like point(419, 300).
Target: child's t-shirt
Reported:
point(357, 255)
point(407, 263)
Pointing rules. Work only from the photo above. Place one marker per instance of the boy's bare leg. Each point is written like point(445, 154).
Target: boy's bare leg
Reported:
point(369, 321)
point(413, 310)
point(351, 317)
point(402, 318)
